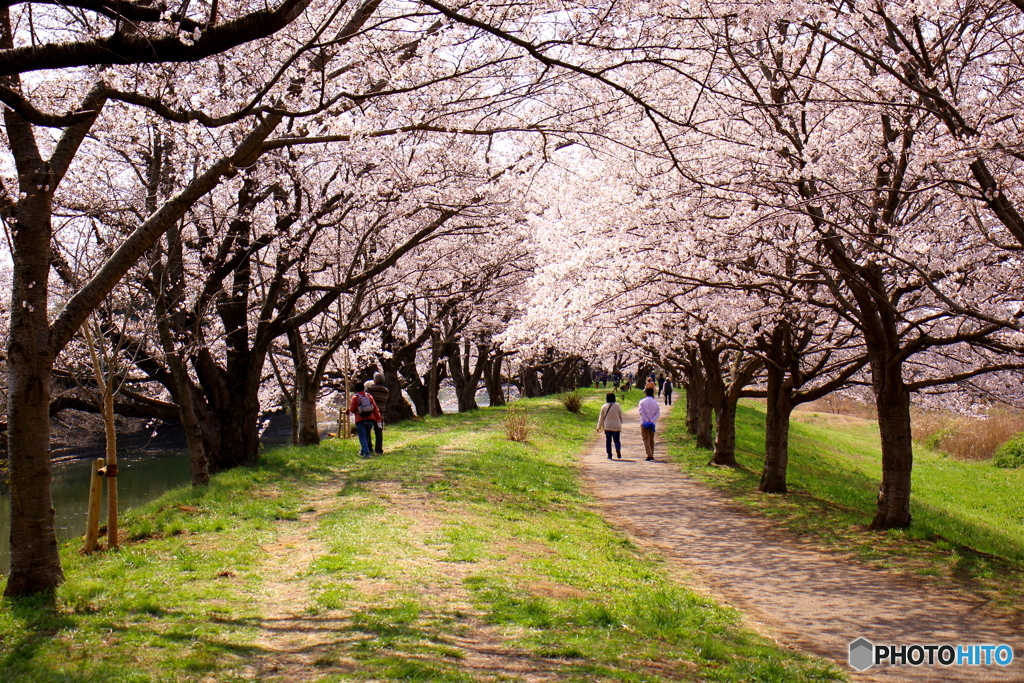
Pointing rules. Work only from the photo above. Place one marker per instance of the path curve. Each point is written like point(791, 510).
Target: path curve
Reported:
point(808, 599)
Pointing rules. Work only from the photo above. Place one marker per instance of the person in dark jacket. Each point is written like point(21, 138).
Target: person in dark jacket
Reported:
point(364, 408)
point(380, 394)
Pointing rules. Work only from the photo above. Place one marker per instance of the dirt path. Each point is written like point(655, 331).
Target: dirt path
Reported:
point(810, 600)
point(296, 643)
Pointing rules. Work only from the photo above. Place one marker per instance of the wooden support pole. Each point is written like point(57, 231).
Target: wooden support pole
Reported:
point(92, 527)
point(110, 472)
point(347, 433)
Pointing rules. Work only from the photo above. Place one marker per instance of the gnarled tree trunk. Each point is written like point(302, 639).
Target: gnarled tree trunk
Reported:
point(776, 440)
point(893, 400)
point(492, 379)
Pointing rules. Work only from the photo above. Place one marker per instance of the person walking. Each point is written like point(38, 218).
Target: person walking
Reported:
point(611, 422)
point(366, 415)
point(650, 383)
point(380, 394)
point(661, 383)
point(666, 389)
point(649, 413)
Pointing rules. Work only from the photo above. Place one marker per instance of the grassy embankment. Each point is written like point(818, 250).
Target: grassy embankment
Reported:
point(968, 517)
point(458, 556)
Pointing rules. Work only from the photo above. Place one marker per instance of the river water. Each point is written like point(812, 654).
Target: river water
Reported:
point(143, 474)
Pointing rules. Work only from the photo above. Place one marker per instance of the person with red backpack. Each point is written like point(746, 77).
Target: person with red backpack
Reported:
point(366, 413)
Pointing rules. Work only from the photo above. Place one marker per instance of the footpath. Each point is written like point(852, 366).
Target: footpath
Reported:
point(805, 599)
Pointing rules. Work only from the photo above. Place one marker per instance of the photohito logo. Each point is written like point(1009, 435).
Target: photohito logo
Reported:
point(864, 654)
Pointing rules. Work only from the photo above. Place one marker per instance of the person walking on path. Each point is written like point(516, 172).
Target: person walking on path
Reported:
point(611, 422)
point(666, 389)
point(366, 415)
point(649, 413)
point(650, 383)
point(379, 391)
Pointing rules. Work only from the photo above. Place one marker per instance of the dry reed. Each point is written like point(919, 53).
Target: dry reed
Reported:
point(572, 400)
point(967, 438)
point(517, 425)
point(962, 437)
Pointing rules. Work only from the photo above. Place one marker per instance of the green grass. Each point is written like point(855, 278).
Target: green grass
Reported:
point(968, 517)
point(458, 556)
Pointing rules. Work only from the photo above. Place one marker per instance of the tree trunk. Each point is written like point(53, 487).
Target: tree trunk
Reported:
point(397, 408)
point(308, 425)
point(586, 375)
point(239, 434)
point(705, 427)
point(531, 385)
point(199, 464)
point(305, 427)
point(492, 379)
point(182, 390)
point(463, 377)
point(434, 378)
point(698, 405)
point(35, 562)
point(776, 434)
point(416, 389)
point(692, 407)
point(643, 372)
point(724, 405)
point(893, 400)
point(231, 424)
point(549, 383)
point(725, 442)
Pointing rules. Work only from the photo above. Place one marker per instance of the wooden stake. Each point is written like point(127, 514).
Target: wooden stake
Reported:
point(92, 526)
point(347, 433)
point(107, 404)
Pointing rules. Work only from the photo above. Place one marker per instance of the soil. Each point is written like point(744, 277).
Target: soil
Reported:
point(806, 599)
point(298, 644)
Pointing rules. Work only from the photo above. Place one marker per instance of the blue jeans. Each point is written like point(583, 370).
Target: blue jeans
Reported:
point(363, 430)
point(609, 437)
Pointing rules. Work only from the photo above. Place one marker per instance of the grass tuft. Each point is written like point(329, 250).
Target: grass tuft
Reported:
point(517, 424)
point(572, 400)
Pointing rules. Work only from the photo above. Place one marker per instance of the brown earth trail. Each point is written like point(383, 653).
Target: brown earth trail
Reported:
point(807, 599)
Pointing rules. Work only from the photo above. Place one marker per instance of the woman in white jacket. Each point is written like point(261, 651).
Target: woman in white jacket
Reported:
point(611, 422)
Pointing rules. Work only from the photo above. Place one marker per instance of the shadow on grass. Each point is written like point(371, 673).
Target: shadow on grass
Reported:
point(40, 621)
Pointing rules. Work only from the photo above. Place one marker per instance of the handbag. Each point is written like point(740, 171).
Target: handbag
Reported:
point(647, 425)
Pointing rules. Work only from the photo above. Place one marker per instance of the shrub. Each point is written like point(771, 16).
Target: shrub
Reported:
point(1011, 453)
point(572, 400)
point(517, 425)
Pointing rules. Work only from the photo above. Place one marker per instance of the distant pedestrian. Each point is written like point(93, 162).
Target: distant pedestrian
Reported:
point(611, 422)
point(650, 383)
point(661, 383)
point(366, 415)
point(379, 390)
point(649, 413)
point(666, 389)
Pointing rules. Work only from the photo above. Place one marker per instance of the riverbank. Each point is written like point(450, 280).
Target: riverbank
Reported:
point(456, 556)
